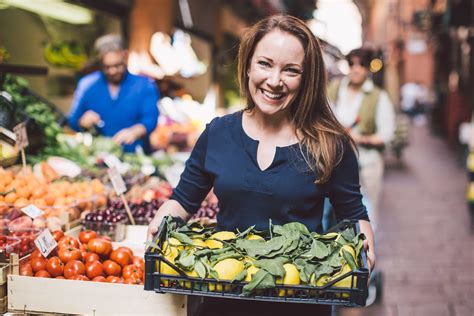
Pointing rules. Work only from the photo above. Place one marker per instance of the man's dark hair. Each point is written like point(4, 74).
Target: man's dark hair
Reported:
point(365, 55)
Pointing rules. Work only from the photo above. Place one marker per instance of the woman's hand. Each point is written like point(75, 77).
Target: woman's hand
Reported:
point(370, 256)
point(170, 207)
point(130, 134)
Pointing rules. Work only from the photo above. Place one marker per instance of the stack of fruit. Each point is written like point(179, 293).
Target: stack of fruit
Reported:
point(289, 255)
point(91, 258)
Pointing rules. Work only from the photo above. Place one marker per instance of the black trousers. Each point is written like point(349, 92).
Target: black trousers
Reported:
point(199, 306)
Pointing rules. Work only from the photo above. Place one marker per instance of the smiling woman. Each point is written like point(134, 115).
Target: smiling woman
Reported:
point(279, 158)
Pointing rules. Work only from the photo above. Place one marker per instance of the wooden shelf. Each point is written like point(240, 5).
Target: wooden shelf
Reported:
point(23, 69)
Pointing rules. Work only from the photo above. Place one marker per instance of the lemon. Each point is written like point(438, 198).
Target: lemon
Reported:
point(321, 281)
point(227, 269)
point(349, 249)
point(250, 272)
point(223, 235)
point(345, 283)
point(170, 249)
point(292, 277)
point(255, 237)
point(192, 274)
point(199, 243)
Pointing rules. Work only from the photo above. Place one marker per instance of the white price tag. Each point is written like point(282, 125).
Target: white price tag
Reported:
point(117, 181)
point(45, 243)
point(21, 135)
point(32, 211)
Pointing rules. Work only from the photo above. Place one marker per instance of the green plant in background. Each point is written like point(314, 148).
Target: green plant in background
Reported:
point(65, 54)
point(4, 55)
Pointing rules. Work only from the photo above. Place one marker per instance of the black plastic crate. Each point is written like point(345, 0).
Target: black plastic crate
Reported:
point(306, 294)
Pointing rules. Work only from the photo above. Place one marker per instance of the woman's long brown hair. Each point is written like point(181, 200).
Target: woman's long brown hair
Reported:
point(322, 136)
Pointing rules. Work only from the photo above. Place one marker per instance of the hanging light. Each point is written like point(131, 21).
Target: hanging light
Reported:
point(56, 9)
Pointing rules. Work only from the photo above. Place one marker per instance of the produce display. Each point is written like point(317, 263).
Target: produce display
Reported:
point(287, 261)
point(26, 241)
point(91, 257)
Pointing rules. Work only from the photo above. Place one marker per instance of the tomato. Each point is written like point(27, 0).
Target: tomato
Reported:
point(36, 254)
point(112, 268)
point(26, 270)
point(57, 235)
point(107, 238)
point(87, 235)
point(74, 267)
point(55, 266)
point(42, 274)
point(100, 246)
point(67, 254)
point(132, 271)
point(60, 277)
point(38, 264)
point(68, 241)
point(114, 279)
point(90, 257)
point(94, 269)
point(122, 257)
point(138, 261)
point(79, 277)
point(133, 281)
point(99, 278)
point(127, 250)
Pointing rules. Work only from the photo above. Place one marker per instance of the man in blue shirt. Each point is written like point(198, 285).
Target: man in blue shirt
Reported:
point(117, 103)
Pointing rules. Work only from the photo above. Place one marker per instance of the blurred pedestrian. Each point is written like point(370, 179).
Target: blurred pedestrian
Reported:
point(115, 102)
point(366, 111)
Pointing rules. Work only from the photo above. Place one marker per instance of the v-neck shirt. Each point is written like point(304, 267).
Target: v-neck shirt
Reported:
point(225, 158)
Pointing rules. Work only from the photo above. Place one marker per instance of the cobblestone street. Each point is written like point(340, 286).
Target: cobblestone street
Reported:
point(425, 248)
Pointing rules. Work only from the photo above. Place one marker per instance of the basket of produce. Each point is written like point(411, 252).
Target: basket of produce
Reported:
point(287, 263)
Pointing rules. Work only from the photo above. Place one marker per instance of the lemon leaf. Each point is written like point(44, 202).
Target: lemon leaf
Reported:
point(260, 280)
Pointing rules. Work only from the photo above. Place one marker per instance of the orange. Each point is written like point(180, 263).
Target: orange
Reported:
point(10, 198)
point(21, 202)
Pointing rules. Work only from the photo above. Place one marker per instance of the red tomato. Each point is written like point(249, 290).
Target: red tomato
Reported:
point(67, 254)
point(132, 271)
point(100, 246)
point(105, 238)
point(133, 281)
point(90, 257)
point(42, 274)
point(114, 279)
point(36, 254)
point(38, 264)
point(99, 278)
point(139, 262)
point(57, 235)
point(68, 241)
point(26, 270)
point(127, 250)
point(112, 268)
point(87, 235)
point(122, 257)
point(94, 269)
point(74, 267)
point(55, 267)
point(79, 277)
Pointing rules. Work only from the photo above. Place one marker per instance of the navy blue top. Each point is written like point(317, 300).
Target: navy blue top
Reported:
point(135, 103)
point(226, 157)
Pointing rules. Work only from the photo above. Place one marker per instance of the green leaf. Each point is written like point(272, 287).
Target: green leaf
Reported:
point(321, 270)
point(260, 280)
point(259, 248)
point(318, 250)
point(334, 259)
point(200, 269)
point(349, 259)
point(348, 234)
point(359, 244)
point(228, 255)
point(186, 259)
point(241, 276)
point(272, 266)
point(295, 226)
point(245, 232)
point(181, 237)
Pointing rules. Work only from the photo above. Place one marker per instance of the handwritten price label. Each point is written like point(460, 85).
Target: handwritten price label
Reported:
point(21, 135)
point(32, 211)
point(45, 242)
point(117, 181)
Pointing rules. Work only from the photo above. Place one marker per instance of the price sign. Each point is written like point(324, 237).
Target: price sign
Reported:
point(117, 181)
point(32, 211)
point(21, 135)
point(45, 243)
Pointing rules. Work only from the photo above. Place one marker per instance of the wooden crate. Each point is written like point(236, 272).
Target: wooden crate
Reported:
point(29, 294)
